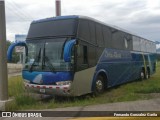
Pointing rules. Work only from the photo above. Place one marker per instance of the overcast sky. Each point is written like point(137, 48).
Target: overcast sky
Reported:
point(141, 17)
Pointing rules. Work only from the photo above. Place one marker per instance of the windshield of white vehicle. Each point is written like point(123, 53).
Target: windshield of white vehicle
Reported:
point(46, 55)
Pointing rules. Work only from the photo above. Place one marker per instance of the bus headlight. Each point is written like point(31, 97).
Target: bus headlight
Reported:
point(63, 83)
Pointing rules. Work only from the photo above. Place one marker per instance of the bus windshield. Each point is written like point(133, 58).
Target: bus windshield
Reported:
point(46, 55)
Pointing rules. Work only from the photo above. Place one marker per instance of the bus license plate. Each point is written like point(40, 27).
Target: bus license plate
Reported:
point(42, 90)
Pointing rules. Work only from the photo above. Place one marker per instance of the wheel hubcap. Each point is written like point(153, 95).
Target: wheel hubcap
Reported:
point(99, 85)
point(147, 76)
point(142, 75)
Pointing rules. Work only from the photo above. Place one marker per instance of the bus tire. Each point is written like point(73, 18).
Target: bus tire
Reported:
point(142, 75)
point(99, 85)
point(147, 76)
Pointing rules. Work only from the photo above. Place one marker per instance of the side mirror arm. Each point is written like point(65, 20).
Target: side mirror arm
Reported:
point(11, 48)
point(67, 50)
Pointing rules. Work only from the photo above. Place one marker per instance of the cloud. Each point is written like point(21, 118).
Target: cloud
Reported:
point(147, 19)
point(138, 16)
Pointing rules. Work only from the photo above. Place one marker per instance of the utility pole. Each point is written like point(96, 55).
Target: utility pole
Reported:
point(3, 58)
point(58, 7)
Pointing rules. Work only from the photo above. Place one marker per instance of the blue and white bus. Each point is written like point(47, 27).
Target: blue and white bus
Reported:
point(77, 55)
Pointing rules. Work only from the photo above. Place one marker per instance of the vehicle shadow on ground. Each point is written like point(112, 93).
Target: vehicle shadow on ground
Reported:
point(62, 99)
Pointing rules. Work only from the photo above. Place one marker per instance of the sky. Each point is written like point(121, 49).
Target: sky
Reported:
point(141, 17)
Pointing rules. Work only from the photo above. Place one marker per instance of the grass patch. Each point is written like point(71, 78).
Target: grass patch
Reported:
point(16, 92)
point(137, 90)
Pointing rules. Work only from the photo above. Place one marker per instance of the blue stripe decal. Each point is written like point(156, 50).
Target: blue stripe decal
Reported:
point(47, 78)
point(110, 55)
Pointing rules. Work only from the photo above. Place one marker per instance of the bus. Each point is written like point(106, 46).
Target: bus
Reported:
point(76, 55)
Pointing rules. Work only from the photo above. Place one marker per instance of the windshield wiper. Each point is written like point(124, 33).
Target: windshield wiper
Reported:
point(49, 64)
point(36, 59)
point(46, 60)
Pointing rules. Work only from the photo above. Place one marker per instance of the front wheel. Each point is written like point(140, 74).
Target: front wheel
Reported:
point(99, 85)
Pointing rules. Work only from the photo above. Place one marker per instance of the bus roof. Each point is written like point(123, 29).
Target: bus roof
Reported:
point(56, 18)
point(87, 18)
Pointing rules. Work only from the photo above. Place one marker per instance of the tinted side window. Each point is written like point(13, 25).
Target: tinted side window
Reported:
point(92, 56)
point(83, 30)
point(136, 43)
point(52, 28)
point(107, 36)
point(127, 41)
point(92, 32)
point(117, 39)
point(82, 58)
point(99, 35)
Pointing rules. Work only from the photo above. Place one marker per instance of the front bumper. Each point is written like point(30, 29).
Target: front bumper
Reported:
point(62, 90)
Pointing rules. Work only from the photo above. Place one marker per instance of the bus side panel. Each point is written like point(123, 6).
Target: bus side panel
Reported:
point(82, 82)
point(136, 70)
point(118, 72)
point(117, 64)
point(152, 58)
point(137, 64)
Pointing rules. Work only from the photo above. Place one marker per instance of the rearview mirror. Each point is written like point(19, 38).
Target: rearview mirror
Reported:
point(11, 48)
point(68, 49)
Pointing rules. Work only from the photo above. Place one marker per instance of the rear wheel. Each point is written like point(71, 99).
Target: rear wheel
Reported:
point(149, 73)
point(142, 75)
point(147, 76)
